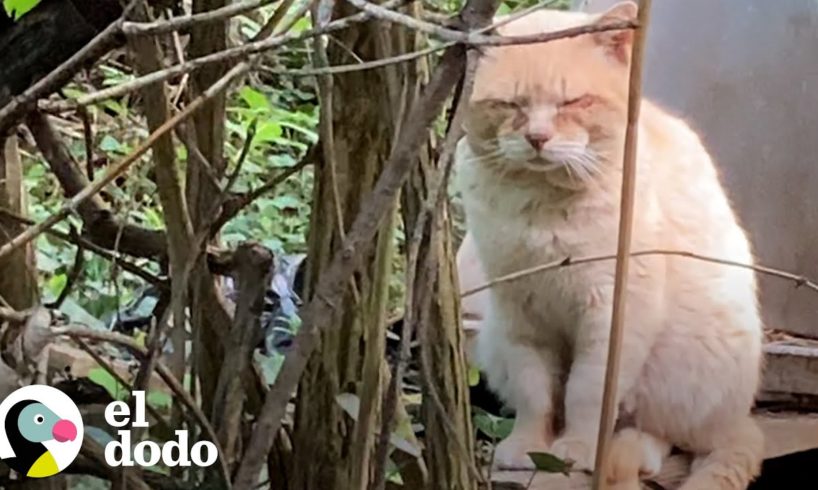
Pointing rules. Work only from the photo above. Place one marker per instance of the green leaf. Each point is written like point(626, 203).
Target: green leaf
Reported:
point(18, 8)
point(285, 201)
point(269, 131)
point(254, 99)
point(550, 463)
point(159, 399)
point(109, 143)
point(474, 376)
point(493, 426)
point(101, 377)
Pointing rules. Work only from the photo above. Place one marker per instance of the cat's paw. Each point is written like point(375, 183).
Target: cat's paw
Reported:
point(512, 453)
point(622, 469)
point(578, 450)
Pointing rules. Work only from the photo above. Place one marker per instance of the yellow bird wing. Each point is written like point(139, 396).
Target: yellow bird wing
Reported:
point(45, 466)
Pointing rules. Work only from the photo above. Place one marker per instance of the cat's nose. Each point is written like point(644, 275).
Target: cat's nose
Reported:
point(538, 140)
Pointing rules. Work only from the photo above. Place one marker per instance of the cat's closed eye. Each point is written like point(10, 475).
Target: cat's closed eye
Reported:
point(580, 102)
point(506, 104)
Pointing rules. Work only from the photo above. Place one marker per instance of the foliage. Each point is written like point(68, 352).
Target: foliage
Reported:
point(496, 428)
point(550, 463)
point(18, 8)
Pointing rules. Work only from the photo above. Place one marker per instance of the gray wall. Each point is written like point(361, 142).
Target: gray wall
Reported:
point(744, 73)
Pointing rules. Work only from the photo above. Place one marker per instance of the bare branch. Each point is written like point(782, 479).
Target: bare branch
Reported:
point(164, 372)
point(245, 51)
point(242, 52)
point(100, 224)
point(253, 271)
point(236, 202)
point(88, 245)
point(366, 65)
point(116, 170)
point(798, 279)
point(188, 21)
point(332, 284)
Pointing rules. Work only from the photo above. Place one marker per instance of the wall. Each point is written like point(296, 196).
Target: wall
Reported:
point(744, 74)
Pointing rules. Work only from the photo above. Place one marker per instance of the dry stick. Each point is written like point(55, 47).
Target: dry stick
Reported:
point(92, 247)
point(72, 277)
point(97, 47)
point(333, 282)
point(243, 200)
point(546, 37)
point(431, 207)
point(389, 15)
point(402, 58)
point(799, 280)
point(366, 65)
point(245, 150)
point(188, 21)
point(237, 53)
point(110, 370)
point(249, 49)
point(609, 398)
point(116, 170)
point(164, 372)
point(476, 38)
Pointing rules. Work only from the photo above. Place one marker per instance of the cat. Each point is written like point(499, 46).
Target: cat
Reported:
point(540, 169)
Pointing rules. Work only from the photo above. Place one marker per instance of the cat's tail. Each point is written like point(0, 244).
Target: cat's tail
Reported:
point(633, 455)
point(734, 461)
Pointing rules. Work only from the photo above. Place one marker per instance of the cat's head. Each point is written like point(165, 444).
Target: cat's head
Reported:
point(556, 108)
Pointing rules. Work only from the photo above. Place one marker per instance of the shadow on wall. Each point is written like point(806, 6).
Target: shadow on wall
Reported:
point(743, 73)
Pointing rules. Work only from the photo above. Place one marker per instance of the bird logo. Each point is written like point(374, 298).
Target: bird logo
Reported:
point(40, 431)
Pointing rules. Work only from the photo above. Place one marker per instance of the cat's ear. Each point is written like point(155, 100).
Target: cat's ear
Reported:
point(617, 43)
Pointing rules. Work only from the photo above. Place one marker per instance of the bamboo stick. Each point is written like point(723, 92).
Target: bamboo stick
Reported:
point(624, 244)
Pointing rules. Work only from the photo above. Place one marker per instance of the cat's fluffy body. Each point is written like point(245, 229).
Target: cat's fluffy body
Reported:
point(692, 348)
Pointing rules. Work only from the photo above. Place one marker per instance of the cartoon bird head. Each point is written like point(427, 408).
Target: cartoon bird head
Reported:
point(29, 424)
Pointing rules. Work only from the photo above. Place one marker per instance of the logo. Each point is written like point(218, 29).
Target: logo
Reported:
point(40, 431)
point(148, 453)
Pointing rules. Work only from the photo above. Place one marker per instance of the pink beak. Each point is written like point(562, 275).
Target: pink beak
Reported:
point(64, 431)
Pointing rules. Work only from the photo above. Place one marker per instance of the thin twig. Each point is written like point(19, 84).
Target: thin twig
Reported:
point(402, 58)
point(234, 204)
point(72, 276)
point(164, 372)
point(247, 50)
point(188, 21)
point(245, 150)
point(242, 52)
point(270, 27)
point(352, 67)
point(104, 364)
point(389, 15)
point(118, 169)
point(92, 247)
point(88, 135)
point(623, 249)
point(798, 279)
point(333, 283)
point(546, 37)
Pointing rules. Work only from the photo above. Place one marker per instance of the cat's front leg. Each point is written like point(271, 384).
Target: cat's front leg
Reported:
point(529, 389)
point(586, 379)
point(524, 375)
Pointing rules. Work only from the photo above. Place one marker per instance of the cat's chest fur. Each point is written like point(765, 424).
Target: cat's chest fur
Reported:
point(519, 227)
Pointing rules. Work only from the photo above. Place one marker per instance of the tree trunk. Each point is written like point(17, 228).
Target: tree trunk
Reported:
point(18, 277)
point(331, 449)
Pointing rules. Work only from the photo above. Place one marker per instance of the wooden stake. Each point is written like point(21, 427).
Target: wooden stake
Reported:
point(624, 244)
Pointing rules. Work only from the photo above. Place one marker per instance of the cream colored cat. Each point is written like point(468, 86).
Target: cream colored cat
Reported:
point(540, 171)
